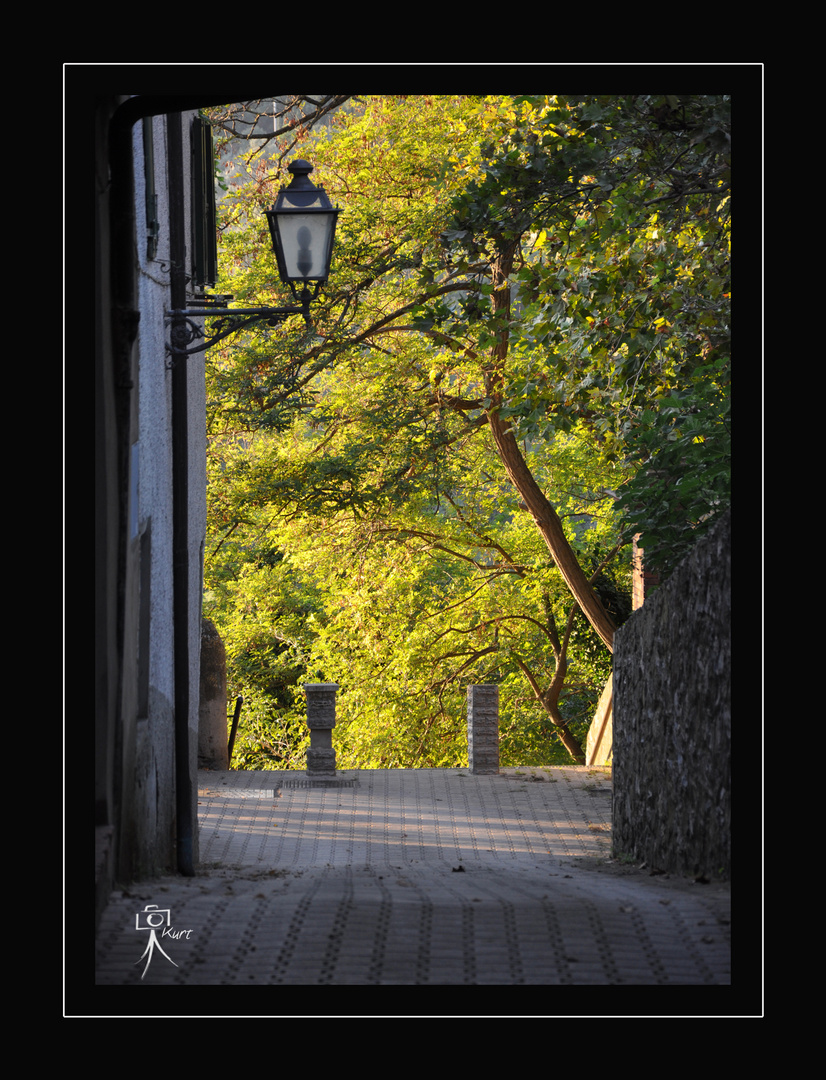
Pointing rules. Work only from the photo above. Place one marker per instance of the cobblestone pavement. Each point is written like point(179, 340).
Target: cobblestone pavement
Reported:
point(413, 877)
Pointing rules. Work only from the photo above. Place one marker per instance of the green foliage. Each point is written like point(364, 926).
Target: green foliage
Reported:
point(362, 526)
point(684, 484)
point(622, 206)
point(269, 737)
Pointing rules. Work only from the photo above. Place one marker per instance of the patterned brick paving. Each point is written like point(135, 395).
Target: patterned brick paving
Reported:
point(413, 877)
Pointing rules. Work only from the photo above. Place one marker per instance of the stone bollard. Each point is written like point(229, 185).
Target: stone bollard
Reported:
point(321, 719)
point(483, 729)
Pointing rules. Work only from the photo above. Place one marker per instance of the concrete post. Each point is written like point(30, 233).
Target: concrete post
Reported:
point(483, 729)
point(321, 719)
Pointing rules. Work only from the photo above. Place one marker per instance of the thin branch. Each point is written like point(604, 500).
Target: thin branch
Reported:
point(226, 536)
point(229, 121)
point(617, 547)
point(527, 618)
point(464, 600)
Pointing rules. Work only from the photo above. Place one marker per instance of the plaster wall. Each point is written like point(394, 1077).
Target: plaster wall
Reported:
point(150, 748)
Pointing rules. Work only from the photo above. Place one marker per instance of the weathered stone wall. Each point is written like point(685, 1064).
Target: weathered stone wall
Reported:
point(213, 739)
point(672, 718)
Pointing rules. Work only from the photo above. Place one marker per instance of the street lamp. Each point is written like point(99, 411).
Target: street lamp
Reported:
point(303, 225)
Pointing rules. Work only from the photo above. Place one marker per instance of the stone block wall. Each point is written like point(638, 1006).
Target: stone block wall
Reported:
point(672, 718)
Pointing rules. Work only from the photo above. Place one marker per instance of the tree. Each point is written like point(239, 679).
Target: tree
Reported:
point(537, 269)
point(272, 124)
point(408, 600)
point(617, 211)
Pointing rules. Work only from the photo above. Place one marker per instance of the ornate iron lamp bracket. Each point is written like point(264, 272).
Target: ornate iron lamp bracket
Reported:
point(226, 321)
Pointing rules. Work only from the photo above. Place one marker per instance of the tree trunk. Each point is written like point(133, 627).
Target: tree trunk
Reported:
point(546, 518)
point(569, 741)
point(549, 702)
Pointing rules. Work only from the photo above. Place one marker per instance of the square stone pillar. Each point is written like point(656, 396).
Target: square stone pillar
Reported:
point(483, 729)
point(321, 719)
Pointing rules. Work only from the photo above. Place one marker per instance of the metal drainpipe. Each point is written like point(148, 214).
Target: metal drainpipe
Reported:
point(180, 504)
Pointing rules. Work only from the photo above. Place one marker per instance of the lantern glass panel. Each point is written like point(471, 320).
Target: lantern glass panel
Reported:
point(306, 241)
